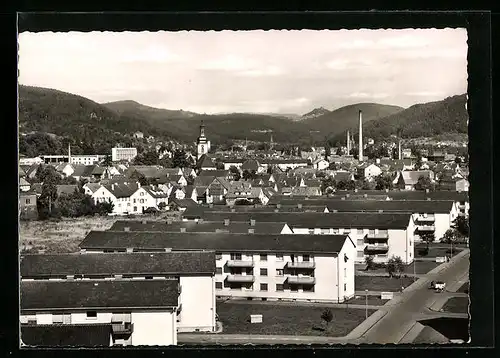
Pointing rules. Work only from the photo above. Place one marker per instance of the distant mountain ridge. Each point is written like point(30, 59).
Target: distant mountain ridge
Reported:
point(316, 112)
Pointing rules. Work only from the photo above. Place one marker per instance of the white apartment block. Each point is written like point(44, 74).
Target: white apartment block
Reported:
point(86, 159)
point(119, 154)
point(316, 268)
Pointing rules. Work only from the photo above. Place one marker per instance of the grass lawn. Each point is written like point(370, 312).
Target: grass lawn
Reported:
point(464, 288)
point(440, 250)
point(380, 283)
point(65, 235)
point(421, 268)
point(457, 305)
point(287, 319)
point(372, 300)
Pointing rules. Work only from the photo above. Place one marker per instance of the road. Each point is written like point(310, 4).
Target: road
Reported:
point(389, 324)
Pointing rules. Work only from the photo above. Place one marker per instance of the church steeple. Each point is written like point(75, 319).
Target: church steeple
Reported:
point(202, 129)
point(203, 145)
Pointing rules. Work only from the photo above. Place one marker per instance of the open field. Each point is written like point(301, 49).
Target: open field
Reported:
point(421, 268)
point(64, 236)
point(457, 305)
point(287, 319)
point(380, 283)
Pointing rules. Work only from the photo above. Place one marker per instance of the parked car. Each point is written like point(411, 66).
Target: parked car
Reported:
point(439, 286)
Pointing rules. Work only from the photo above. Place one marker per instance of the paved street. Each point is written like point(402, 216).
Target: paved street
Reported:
point(390, 324)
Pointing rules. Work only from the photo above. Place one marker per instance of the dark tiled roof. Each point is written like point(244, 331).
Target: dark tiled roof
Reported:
point(392, 194)
point(415, 206)
point(214, 173)
point(220, 242)
point(66, 189)
point(118, 264)
point(205, 226)
point(250, 164)
point(185, 203)
point(251, 208)
point(122, 190)
point(205, 162)
point(320, 220)
point(66, 335)
point(203, 181)
point(44, 294)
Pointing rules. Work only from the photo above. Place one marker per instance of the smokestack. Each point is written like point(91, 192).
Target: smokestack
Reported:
point(348, 143)
point(400, 156)
point(69, 153)
point(360, 141)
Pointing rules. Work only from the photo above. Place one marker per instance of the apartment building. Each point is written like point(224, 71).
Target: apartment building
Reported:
point(137, 312)
point(317, 268)
point(381, 235)
point(86, 159)
point(193, 270)
point(125, 154)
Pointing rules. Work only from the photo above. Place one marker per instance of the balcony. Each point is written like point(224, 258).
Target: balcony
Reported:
point(301, 280)
point(426, 228)
point(428, 218)
point(377, 248)
point(240, 263)
point(241, 278)
point(461, 206)
point(122, 328)
point(384, 235)
point(301, 265)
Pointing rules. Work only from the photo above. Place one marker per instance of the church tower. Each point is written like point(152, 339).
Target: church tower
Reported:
point(203, 145)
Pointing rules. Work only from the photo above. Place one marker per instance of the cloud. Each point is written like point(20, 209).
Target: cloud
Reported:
point(266, 71)
point(367, 95)
point(150, 54)
point(229, 63)
point(424, 94)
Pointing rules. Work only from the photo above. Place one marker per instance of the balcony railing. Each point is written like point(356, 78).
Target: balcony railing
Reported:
point(123, 328)
point(301, 265)
point(377, 247)
point(240, 263)
point(240, 278)
point(426, 228)
point(382, 235)
point(301, 280)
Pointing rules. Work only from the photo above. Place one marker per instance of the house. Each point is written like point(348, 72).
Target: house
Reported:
point(27, 206)
point(407, 179)
point(177, 180)
point(138, 135)
point(139, 312)
point(190, 192)
point(393, 233)
point(368, 171)
point(184, 204)
point(30, 161)
point(233, 162)
point(343, 176)
point(30, 171)
point(188, 172)
point(318, 268)
point(193, 270)
point(252, 165)
point(321, 164)
point(91, 188)
point(65, 168)
point(89, 172)
point(119, 194)
point(205, 163)
point(177, 192)
point(224, 174)
point(250, 194)
point(66, 189)
point(123, 154)
point(284, 164)
point(146, 197)
point(24, 185)
point(306, 191)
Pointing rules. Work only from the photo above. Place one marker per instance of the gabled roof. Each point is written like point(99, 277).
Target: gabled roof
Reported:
point(185, 203)
point(66, 189)
point(416, 206)
point(21, 171)
point(188, 189)
point(93, 187)
point(23, 182)
point(224, 182)
point(219, 242)
point(410, 177)
point(155, 193)
point(250, 164)
point(162, 263)
point(122, 190)
point(83, 170)
point(214, 173)
point(42, 295)
point(205, 162)
point(66, 335)
point(203, 181)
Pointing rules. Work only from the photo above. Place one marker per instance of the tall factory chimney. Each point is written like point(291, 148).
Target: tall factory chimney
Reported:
point(69, 153)
point(360, 141)
point(348, 143)
point(400, 155)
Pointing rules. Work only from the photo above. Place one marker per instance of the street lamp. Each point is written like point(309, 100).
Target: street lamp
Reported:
point(414, 270)
point(366, 303)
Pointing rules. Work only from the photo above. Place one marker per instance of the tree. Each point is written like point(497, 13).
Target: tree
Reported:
point(333, 166)
point(242, 202)
point(190, 180)
point(395, 266)
point(367, 185)
point(162, 205)
point(179, 159)
point(327, 185)
point(418, 162)
point(428, 237)
point(328, 150)
point(450, 237)
point(147, 158)
point(219, 165)
point(345, 185)
point(461, 226)
point(235, 172)
point(339, 151)
point(249, 175)
point(423, 183)
point(327, 316)
point(107, 161)
point(369, 262)
point(383, 182)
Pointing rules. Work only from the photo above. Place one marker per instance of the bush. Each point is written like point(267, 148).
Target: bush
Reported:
point(423, 252)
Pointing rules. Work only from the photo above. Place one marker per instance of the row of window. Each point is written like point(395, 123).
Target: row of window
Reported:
point(263, 272)
point(263, 257)
point(279, 287)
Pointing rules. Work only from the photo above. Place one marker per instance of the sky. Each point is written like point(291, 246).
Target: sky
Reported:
point(249, 71)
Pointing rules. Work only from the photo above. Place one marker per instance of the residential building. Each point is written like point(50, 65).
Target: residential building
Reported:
point(462, 185)
point(120, 195)
point(316, 268)
point(145, 197)
point(27, 206)
point(30, 161)
point(368, 171)
point(194, 271)
point(382, 235)
point(54, 159)
point(139, 135)
point(123, 154)
point(407, 179)
point(205, 163)
point(139, 312)
point(321, 164)
point(24, 185)
point(86, 159)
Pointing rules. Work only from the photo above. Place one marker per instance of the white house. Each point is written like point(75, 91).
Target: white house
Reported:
point(91, 188)
point(65, 168)
point(125, 154)
point(147, 197)
point(462, 185)
point(194, 271)
point(119, 194)
point(139, 312)
point(321, 164)
point(257, 266)
point(369, 171)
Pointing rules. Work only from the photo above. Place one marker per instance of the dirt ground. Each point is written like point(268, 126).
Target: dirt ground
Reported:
point(65, 235)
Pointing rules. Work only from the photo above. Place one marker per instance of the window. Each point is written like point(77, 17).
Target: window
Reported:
point(347, 230)
point(335, 231)
point(360, 242)
point(279, 287)
point(308, 289)
point(218, 285)
point(263, 286)
point(279, 257)
point(263, 272)
point(361, 254)
point(218, 256)
point(410, 254)
point(311, 231)
point(27, 201)
point(235, 256)
point(57, 318)
point(91, 315)
point(149, 277)
point(345, 286)
point(134, 201)
point(279, 272)
point(263, 257)
point(360, 231)
point(142, 193)
point(371, 232)
point(306, 258)
point(411, 242)
point(218, 270)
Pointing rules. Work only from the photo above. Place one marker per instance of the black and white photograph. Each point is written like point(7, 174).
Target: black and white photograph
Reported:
point(219, 188)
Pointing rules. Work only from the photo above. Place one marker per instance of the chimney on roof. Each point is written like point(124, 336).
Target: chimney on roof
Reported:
point(130, 249)
point(200, 221)
point(299, 205)
point(252, 222)
point(335, 211)
point(168, 249)
point(342, 198)
point(144, 222)
point(386, 190)
point(347, 195)
point(251, 231)
point(428, 199)
point(226, 222)
point(233, 210)
point(276, 210)
point(183, 229)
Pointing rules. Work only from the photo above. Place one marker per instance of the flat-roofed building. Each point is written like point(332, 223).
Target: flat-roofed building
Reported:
point(140, 312)
point(194, 270)
point(123, 154)
point(87, 159)
point(381, 235)
point(317, 268)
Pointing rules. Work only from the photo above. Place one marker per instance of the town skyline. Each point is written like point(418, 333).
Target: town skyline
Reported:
point(251, 71)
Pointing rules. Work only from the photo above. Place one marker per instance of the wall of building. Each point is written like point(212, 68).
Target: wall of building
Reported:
point(154, 328)
point(198, 304)
point(141, 200)
point(347, 269)
point(399, 245)
point(442, 223)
